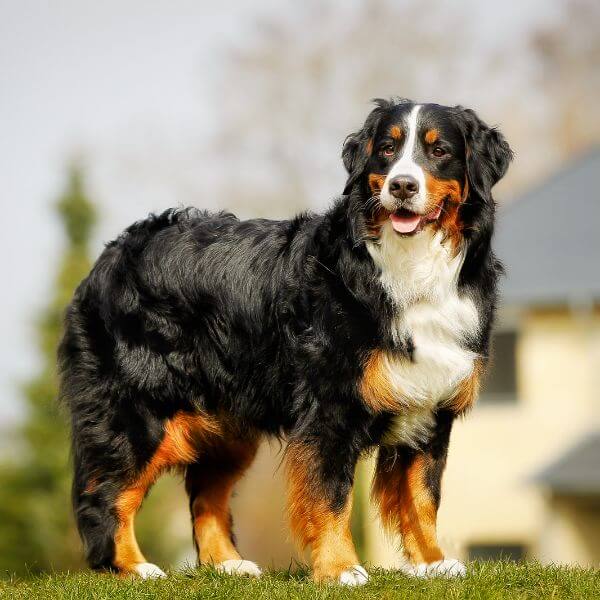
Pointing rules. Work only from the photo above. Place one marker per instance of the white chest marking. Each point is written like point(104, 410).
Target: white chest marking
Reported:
point(420, 274)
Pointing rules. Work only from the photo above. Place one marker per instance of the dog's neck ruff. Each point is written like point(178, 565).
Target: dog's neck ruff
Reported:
point(420, 275)
point(420, 268)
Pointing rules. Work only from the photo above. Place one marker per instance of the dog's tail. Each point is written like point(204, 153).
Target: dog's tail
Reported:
point(94, 487)
point(92, 496)
point(93, 505)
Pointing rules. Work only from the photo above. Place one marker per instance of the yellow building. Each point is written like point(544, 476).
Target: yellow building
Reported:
point(523, 476)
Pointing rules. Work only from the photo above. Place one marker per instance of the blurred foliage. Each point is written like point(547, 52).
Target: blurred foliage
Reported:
point(311, 74)
point(36, 527)
point(37, 531)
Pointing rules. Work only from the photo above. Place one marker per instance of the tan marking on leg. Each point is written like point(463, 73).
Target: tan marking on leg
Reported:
point(406, 506)
point(183, 434)
point(375, 386)
point(214, 480)
point(313, 521)
point(127, 550)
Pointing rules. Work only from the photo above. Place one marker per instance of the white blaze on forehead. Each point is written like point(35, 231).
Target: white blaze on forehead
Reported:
point(409, 146)
point(406, 164)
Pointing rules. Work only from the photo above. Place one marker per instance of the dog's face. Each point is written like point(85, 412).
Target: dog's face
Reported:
point(416, 164)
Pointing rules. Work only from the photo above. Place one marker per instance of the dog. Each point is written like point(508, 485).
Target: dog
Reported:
point(366, 328)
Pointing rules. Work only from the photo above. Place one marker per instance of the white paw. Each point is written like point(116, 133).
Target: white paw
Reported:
point(355, 576)
point(149, 571)
point(237, 566)
point(449, 567)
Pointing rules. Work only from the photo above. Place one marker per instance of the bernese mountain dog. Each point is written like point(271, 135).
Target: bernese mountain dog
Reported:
point(366, 328)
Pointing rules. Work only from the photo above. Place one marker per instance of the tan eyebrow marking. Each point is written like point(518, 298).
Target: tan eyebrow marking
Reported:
point(432, 136)
point(396, 132)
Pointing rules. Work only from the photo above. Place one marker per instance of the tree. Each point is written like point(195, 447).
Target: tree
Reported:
point(310, 75)
point(37, 531)
point(36, 527)
point(566, 75)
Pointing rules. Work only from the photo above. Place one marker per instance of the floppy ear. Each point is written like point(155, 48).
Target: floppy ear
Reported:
point(355, 155)
point(358, 145)
point(488, 154)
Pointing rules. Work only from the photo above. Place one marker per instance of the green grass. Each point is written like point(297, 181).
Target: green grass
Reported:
point(492, 581)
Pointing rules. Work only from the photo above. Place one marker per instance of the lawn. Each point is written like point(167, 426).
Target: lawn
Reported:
point(492, 581)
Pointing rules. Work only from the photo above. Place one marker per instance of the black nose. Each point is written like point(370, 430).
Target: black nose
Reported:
point(404, 187)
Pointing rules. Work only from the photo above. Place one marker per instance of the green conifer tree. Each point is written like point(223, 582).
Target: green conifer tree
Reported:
point(37, 531)
point(36, 526)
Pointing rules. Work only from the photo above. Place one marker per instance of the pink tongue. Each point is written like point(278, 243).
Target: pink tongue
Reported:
point(405, 224)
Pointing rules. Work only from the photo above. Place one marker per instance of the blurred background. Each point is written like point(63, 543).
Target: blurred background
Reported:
point(111, 110)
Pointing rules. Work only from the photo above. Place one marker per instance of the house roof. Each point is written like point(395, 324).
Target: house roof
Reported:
point(549, 239)
point(577, 472)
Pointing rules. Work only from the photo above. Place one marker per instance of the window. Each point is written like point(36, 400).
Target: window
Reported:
point(500, 384)
point(513, 552)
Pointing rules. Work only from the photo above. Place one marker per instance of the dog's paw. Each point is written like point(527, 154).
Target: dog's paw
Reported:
point(237, 566)
point(357, 575)
point(149, 571)
point(449, 567)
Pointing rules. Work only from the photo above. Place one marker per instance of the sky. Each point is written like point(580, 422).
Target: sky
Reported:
point(76, 78)
point(109, 80)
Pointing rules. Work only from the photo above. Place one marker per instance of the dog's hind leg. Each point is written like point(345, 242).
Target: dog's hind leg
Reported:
point(209, 483)
point(128, 556)
point(185, 436)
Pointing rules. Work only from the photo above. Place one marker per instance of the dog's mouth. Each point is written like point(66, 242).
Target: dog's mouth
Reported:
point(407, 222)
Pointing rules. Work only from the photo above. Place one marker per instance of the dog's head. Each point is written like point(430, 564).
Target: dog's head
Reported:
point(424, 165)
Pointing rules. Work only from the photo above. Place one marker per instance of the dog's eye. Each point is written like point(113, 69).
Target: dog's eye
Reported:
point(438, 151)
point(387, 150)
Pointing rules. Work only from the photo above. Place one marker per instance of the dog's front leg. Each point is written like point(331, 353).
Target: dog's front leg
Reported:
point(320, 477)
point(407, 488)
